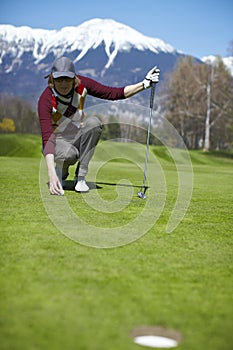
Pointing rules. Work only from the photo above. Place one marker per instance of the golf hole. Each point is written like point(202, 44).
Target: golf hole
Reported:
point(154, 341)
point(156, 337)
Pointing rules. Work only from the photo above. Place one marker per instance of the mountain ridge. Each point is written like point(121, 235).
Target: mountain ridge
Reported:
point(115, 36)
point(103, 49)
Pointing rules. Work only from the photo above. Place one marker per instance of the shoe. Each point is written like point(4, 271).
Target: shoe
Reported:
point(81, 186)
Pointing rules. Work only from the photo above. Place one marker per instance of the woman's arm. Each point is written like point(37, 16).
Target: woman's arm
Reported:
point(131, 90)
point(108, 92)
point(118, 93)
point(44, 113)
point(96, 89)
point(48, 138)
point(55, 186)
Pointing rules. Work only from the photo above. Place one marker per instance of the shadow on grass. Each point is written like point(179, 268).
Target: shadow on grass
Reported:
point(69, 185)
point(220, 153)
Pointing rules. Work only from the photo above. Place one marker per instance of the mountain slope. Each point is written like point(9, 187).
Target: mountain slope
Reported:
point(103, 49)
point(115, 36)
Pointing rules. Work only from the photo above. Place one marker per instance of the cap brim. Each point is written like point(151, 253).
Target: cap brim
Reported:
point(63, 74)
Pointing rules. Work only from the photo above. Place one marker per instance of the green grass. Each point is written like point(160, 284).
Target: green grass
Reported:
point(20, 145)
point(57, 294)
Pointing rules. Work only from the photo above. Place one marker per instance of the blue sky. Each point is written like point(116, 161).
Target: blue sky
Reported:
point(196, 27)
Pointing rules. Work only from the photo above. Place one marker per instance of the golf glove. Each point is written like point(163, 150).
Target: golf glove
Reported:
point(152, 77)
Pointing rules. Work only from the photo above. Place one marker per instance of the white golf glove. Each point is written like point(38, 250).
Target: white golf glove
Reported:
point(152, 77)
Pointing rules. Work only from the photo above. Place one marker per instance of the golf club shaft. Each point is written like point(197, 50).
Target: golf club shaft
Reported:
point(152, 94)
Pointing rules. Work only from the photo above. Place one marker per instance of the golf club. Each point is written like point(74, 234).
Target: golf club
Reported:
point(142, 192)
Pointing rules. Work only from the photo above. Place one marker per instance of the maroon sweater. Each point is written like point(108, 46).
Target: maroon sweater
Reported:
point(45, 107)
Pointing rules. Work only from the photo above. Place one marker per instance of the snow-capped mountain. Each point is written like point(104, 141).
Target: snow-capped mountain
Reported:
point(103, 49)
point(115, 37)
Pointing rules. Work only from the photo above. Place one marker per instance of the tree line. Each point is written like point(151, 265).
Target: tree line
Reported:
point(17, 115)
point(196, 98)
point(199, 104)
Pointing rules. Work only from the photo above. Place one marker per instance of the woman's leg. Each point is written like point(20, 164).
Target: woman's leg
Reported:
point(66, 154)
point(86, 142)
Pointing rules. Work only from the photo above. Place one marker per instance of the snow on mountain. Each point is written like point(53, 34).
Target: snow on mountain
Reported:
point(102, 49)
point(228, 61)
point(15, 41)
point(116, 37)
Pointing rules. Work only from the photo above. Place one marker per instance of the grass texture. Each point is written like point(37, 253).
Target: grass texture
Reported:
point(58, 294)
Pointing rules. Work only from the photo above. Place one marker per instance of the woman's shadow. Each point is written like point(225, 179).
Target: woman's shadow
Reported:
point(69, 185)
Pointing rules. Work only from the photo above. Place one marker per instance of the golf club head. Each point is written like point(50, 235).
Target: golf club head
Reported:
point(141, 195)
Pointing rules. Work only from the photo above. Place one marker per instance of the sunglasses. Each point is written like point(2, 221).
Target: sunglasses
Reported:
point(61, 79)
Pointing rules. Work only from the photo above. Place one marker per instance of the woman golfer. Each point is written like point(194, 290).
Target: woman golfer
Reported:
point(67, 136)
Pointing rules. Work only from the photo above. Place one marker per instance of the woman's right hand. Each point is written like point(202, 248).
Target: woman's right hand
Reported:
point(55, 186)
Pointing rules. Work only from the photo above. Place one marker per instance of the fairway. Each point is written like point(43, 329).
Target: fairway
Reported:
point(58, 294)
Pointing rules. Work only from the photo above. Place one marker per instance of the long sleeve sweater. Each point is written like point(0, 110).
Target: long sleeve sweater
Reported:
point(45, 108)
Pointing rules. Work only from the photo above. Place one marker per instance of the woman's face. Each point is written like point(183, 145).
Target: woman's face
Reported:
point(63, 85)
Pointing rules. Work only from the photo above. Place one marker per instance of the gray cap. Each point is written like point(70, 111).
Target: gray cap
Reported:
point(63, 67)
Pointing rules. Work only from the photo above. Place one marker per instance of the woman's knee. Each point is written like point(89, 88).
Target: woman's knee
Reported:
point(93, 123)
point(69, 154)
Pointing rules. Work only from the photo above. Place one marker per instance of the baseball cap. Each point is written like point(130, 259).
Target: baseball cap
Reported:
point(63, 67)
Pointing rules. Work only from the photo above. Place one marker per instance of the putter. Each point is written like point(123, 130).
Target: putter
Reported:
point(142, 192)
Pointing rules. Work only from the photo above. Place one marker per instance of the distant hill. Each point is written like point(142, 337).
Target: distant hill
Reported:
point(20, 145)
